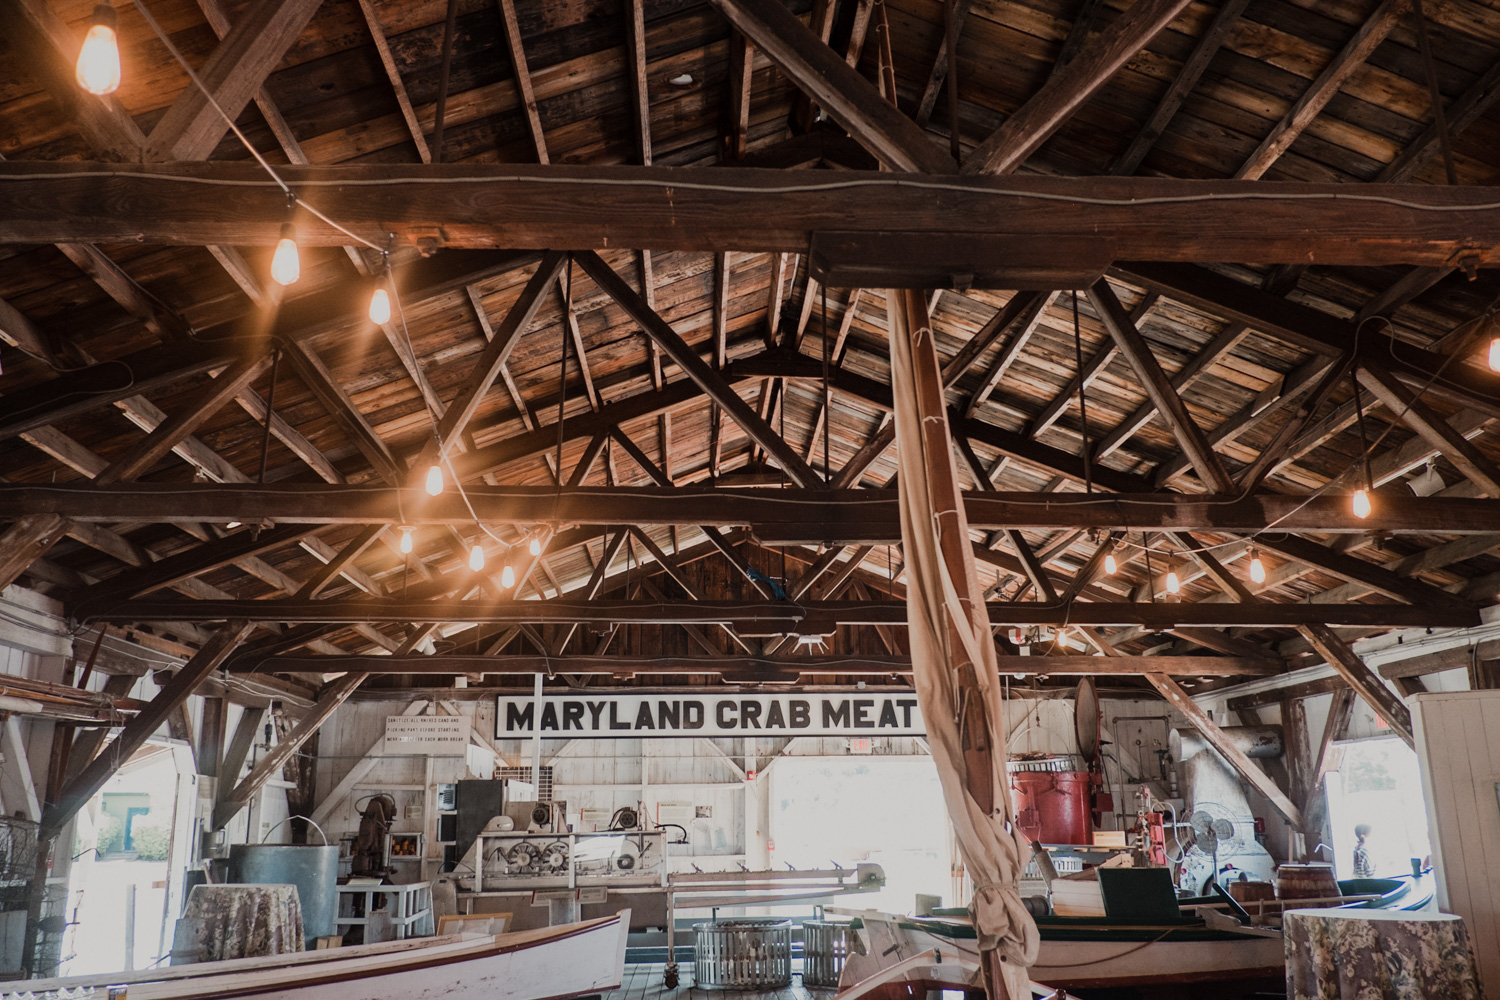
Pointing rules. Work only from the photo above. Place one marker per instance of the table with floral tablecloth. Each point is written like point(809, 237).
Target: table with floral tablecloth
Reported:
point(1358, 954)
point(242, 921)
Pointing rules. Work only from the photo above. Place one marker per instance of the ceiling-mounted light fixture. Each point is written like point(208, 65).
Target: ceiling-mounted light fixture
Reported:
point(507, 577)
point(286, 264)
point(1174, 584)
point(434, 480)
point(405, 539)
point(535, 547)
point(1110, 566)
point(98, 69)
point(1257, 568)
point(476, 557)
point(1495, 354)
point(1359, 503)
point(1428, 483)
point(380, 306)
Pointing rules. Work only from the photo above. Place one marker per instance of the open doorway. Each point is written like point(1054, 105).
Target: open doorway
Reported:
point(1376, 782)
point(886, 810)
point(132, 845)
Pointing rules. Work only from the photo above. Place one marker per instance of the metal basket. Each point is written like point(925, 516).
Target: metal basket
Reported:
point(744, 953)
point(825, 946)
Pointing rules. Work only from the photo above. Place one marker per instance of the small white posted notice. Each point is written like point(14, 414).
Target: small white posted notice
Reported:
point(435, 735)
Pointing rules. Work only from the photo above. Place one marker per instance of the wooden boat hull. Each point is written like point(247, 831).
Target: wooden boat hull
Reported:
point(548, 964)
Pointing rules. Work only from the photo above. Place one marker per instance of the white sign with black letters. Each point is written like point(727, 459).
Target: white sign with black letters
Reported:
point(850, 713)
point(440, 735)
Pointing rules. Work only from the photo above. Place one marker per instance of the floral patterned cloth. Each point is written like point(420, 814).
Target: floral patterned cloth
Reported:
point(1378, 955)
point(242, 921)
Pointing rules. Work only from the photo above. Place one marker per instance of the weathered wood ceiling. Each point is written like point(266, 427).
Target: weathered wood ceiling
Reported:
point(110, 349)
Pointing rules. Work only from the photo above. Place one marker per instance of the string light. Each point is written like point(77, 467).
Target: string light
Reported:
point(1257, 568)
point(380, 306)
point(286, 265)
point(1173, 583)
point(507, 578)
point(98, 70)
point(1360, 503)
point(434, 480)
point(1495, 354)
point(405, 540)
point(1110, 566)
point(535, 548)
point(476, 558)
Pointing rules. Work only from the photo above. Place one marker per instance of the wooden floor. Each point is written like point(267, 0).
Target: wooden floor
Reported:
point(643, 982)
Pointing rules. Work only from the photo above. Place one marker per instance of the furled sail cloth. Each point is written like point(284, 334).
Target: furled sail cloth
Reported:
point(953, 660)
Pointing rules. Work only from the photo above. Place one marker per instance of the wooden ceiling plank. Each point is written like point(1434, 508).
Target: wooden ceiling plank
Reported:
point(1307, 107)
point(706, 378)
point(1341, 657)
point(343, 558)
point(1035, 571)
point(1431, 426)
point(1138, 353)
point(1183, 84)
point(1071, 87)
point(849, 98)
point(1357, 570)
point(321, 381)
point(580, 352)
point(21, 333)
point(1024, 311)
point(193, 126)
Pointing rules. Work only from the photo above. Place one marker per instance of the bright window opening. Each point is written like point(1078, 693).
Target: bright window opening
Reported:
point(1377, 783)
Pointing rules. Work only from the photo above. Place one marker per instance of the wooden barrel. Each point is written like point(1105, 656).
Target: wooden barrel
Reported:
point(1251, 892)
point(1311, 880)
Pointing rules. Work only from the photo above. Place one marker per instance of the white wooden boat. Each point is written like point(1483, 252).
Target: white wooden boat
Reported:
point(551, 963)
point(919, 953)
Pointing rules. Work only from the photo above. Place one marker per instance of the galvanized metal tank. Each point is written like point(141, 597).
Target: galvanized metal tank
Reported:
point(825, 946)
point(312, 868)
point(745, 953)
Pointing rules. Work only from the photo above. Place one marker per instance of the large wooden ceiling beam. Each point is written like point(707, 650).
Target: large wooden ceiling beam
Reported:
point(773, 618)
point(1182, 85)
point(96, 774)
point(707, 379)
point(1301, 114)
point(1039, 220)
point(1431, 426)
point(1313, 330)
point(193, 126)
point(849, 98)
point(1341, 657)
point(1071, 87)
point(1263, 783)
point(804, 516)
point(745, 667)
point(1138, 353)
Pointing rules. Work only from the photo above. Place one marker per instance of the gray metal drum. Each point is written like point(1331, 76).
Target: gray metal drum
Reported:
point(743, 954)
point(825, 946)
point(313, 869)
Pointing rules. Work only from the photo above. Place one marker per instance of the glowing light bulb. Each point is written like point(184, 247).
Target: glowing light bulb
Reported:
point(1495, 354)
point(405, 540)
point(434, 480)
point(1173, 583)
point(380, 307)
point(98, 69)
point(507, 578)
point(535, 548)
point(1110, 566)
point(1360, 503)
point(476, 558)
point(286, 266)
point(1257, 568)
